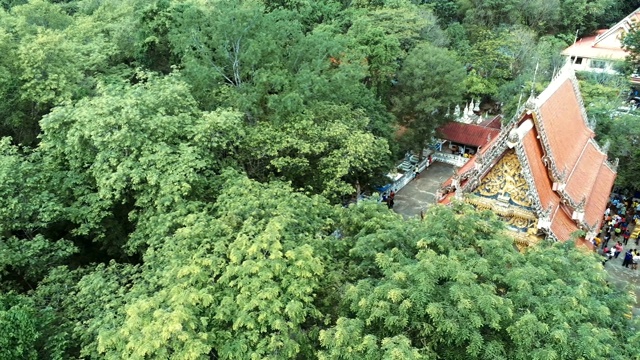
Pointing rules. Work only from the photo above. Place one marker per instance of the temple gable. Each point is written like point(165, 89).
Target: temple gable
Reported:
point(505, 191)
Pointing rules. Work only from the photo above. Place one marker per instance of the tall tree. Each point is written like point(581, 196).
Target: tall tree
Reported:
point(429, 83)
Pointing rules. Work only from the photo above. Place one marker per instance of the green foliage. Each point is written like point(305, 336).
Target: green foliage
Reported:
point(168, 169)
point(473, 296)
point(429, 83)
point(19, 333)
point(631, 43)
point(238, 282)
point(545, 17)
point(140, 146)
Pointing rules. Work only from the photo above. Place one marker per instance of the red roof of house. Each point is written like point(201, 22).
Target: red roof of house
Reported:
point(606, 43)
point(582, 179)
point(468, 134)
point(574, 151)
point(562, 226)
point(539, 172)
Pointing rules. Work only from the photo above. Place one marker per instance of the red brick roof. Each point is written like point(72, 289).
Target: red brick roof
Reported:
point(582, 178)
point(468, 134)
point(562, 226)
point(587, 48)
point(572, 147)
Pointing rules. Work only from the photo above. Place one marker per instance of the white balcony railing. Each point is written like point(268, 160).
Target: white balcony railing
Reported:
point(455, 160)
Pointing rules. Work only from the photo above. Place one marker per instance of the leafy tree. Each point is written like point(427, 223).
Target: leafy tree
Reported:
point(28, 208)
point(429, 83)
point(468, 293)
point(387, 35)
point(130, 150)
point(19, 334)
point(631, 43)
point(235, 284)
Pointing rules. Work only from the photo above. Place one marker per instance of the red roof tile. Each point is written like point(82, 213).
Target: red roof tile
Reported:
point(582, 178)
point(564, 125)
point(495, 122)
point(468, 134)
point(599, 196)
point(543, 184)
point(562, 226)
point(587, 48)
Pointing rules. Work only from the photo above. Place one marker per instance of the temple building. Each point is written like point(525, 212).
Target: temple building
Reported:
point(459, 140)
point(543, 174)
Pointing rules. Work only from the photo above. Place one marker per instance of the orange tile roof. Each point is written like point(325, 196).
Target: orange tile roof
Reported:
point(564, 125)
point(447, 199)
point(496, 122)
point(599, 196)
point(469, 165)
point(583, 176)
point(562, 226)
point(543, 185)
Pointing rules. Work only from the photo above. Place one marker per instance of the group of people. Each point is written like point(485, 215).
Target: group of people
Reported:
point(616, 225)
point(631, 257)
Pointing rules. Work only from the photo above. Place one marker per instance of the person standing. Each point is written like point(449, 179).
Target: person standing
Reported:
point(617, 249)
point(635, 261)
point(628, 259)
point(625, 236)
point(607, 237)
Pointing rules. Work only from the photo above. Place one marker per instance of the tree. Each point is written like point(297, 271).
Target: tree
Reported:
point(467, 293)
point(19, 335)
point(429, 83)
point(29, 206)
point(131, 150)
point(386, 36)
point(237, 282)
point(631, 43)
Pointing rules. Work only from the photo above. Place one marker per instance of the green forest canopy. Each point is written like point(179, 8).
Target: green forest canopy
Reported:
point(171, 174)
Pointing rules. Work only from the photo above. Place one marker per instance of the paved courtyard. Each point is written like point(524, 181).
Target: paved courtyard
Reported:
point(420, 193)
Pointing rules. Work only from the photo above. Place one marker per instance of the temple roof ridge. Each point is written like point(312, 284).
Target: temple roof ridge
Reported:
point(565, 73)
point(626, 24)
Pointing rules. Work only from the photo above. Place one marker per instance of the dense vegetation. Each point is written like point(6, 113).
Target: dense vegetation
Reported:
point(171, 174)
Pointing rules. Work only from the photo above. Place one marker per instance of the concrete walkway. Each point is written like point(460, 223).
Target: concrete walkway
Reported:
point(624, 277)
point(420, 193)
